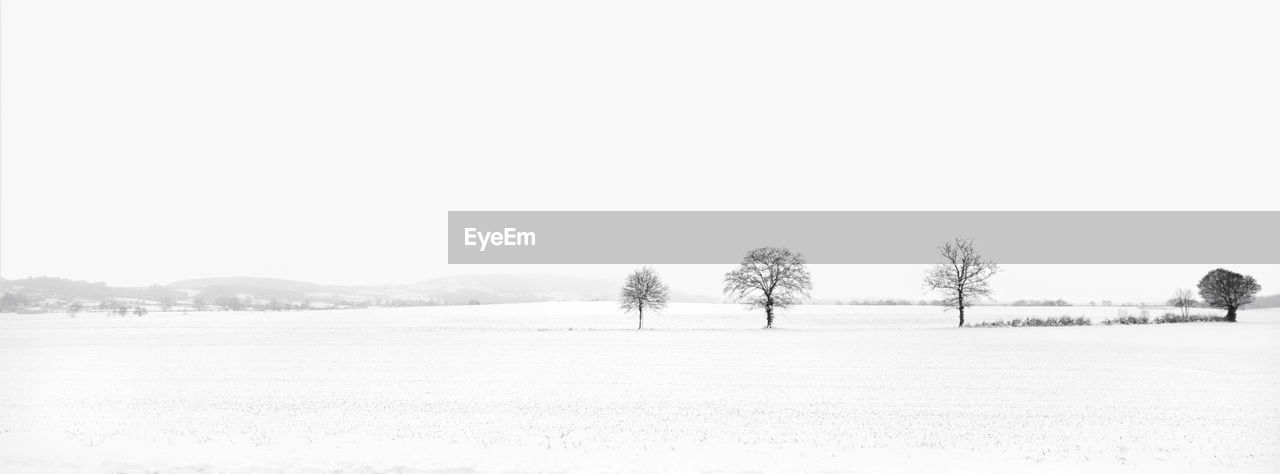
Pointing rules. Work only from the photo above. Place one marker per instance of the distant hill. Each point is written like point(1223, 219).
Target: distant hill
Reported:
point(259, 288)
point(61, 288)
point(485, 289)
point(49, 287)
point(1270, 301)
point(255, 282)
point(517, 288)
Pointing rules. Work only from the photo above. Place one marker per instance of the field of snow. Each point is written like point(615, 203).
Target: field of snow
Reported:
point(570, 387)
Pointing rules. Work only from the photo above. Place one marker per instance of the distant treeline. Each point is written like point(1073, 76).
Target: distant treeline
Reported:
point(891, 302)
point(1040, 303)
point(20, 302)
point(1262, 302)
point(231, 303)
point(907, 302)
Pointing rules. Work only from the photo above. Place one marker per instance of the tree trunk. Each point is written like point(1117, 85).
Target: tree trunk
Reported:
point(961, 314)
point(768, 316)
point(1231, 314)
point(641, 318)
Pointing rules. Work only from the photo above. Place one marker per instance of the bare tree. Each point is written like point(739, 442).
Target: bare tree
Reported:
point(1183, 299)
point(644, 289)
point(1226, 289)
point(769, 278)
point(75, 308)
point(964, 276)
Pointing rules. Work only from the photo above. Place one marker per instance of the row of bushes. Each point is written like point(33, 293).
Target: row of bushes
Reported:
point(1121, 320)
point(1168, 318)
point(1017, 323)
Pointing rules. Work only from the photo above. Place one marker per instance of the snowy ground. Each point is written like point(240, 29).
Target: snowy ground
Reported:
point(510, 387)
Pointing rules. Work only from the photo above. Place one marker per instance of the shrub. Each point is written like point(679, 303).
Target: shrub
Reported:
point(1123, 318)
point(1127, 320)
point(1189, 318)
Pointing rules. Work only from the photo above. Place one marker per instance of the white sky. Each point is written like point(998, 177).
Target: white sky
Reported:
point(145, 142)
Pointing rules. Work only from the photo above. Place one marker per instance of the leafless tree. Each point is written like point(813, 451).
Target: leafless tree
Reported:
point(964, 276)
point(1226, 289)
point(644, 289)
point(769, 278)
point(1183, 299)
point(75, 308)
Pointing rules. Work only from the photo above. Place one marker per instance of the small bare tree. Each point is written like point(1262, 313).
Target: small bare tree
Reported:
point(964, 276)
point(644, 289)
point(769, 278)
point(75, 308)
point(1183, 299)
point(1229, 290)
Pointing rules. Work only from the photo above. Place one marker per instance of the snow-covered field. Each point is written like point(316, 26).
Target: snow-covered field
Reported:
point(512, 387)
